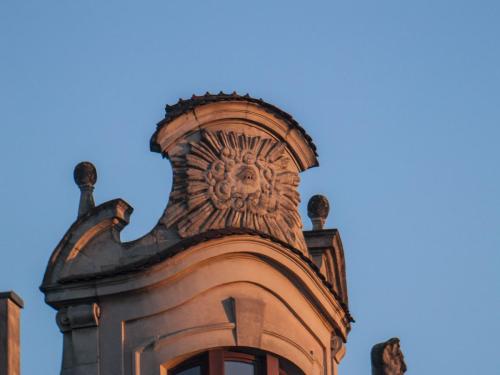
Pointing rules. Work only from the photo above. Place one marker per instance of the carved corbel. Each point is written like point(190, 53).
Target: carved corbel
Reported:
point(79, 324)
point(79, 316)
point(337, 349)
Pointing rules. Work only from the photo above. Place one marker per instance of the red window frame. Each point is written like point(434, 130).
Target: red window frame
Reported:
point(212, 362)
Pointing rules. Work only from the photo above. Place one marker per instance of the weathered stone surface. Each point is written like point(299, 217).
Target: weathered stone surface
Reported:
point(387, 358)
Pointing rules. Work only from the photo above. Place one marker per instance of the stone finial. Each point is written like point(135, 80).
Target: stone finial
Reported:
point(317, 210)
point(85, 176)
point(387, 358)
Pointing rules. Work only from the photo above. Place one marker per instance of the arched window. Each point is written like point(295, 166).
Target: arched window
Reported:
point(235, 361)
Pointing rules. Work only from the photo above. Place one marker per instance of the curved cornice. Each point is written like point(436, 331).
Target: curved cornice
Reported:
point(147, 275)
point(300, 143)
point(84, 229)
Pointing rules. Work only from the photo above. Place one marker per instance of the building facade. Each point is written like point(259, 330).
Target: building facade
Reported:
point(227, 282)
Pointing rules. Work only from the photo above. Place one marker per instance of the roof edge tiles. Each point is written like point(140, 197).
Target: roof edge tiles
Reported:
point(183, 106)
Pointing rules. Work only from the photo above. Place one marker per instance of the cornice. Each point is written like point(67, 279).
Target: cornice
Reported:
point(185, 105)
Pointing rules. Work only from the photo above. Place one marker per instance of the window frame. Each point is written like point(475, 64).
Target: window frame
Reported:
point(212, 362)
point(197, 360)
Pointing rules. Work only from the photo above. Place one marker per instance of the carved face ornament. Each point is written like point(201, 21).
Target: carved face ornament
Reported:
point(237, 181)
point(242, 183)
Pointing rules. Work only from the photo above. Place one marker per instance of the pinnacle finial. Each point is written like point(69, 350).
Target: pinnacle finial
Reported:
point(317, 210)
point(85, 175)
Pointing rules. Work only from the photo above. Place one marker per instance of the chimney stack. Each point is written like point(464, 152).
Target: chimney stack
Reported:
point(10, 308)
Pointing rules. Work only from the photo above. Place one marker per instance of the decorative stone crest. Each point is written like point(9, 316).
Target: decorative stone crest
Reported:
point(230, 180)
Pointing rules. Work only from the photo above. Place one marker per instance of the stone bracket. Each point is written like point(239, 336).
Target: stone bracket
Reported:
point(78, 316)
point(79, 324)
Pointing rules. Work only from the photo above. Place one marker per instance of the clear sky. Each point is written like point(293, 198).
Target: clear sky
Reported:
point(402, 99)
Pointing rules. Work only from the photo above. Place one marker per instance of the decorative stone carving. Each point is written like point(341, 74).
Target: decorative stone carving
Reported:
point(230, 180)
point(387, 358)
point(79, 316)
point(80, 326)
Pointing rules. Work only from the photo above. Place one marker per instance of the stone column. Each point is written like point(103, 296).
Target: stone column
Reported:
point(10, 309)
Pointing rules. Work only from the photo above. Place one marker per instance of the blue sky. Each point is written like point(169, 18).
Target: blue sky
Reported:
point(401, 98)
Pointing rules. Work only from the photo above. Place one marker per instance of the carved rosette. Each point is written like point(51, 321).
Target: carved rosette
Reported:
point(230, 180)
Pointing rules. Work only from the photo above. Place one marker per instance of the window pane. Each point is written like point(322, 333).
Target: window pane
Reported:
point(190, 371)
point(238, 368)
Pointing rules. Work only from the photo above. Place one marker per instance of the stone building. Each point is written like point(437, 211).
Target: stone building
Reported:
point(227, 282)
